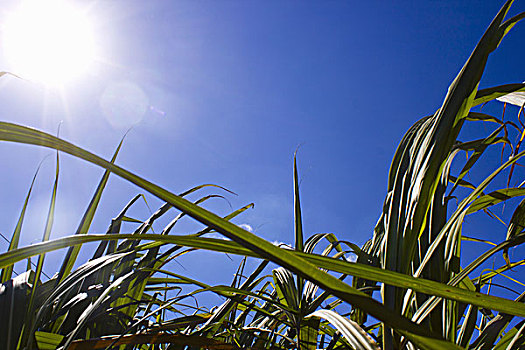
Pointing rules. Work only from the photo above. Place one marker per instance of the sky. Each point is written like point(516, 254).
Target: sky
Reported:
point(225, 92)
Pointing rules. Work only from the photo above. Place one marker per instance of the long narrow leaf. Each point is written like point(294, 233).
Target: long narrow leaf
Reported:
point(349, 329)
point(40, 264)
point(17, 133)
point(87, 219)
point(7, 272)
point(360, 270)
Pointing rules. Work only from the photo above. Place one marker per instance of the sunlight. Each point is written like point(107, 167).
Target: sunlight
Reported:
point(48, 41)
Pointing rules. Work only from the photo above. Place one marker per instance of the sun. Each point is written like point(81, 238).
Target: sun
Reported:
point(48, 41)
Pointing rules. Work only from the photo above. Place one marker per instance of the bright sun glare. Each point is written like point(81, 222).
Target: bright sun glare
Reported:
point(48, 41)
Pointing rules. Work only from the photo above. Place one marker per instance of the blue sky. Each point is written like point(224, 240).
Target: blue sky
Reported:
point(225, 91)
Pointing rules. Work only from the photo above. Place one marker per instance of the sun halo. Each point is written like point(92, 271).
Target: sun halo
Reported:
point(50, 42)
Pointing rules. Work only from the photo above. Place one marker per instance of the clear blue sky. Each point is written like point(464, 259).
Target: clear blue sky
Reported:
point(231, 88)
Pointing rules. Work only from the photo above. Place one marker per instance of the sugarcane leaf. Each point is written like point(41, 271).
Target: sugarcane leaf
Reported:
point(138, 339)
point(468, 326)
point(17, 133)
point(298, 224)
point(87, 219)
point(286, 289)
point(7, 272)
point(463, 209)
point(308, 333)
point(517, 222)
point(485, 277)
point(492, 331)
point(228, 305)
point(495, 197)
point(478, 116)
point(355, 335)
point(489, 94)
point(432, 302)
point(14, 294)
point(40, 263)
point(514, 339)
point(47, 341)
point(361, 270)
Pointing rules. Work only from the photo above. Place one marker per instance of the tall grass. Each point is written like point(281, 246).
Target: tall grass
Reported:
point(429, 295)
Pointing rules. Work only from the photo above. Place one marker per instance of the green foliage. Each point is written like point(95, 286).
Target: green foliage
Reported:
point(126, 297)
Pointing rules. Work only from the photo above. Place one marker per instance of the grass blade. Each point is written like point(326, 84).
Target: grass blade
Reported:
point(360, 270)
point(40, 263)
point(490, 94)
point(85, 223)
point(349, 329)
point(7, 272)
point(298, 223)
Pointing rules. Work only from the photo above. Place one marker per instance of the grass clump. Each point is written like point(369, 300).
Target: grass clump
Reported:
point(429, 294)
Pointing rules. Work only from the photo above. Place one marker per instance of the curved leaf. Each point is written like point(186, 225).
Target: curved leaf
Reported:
point(355, 335)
